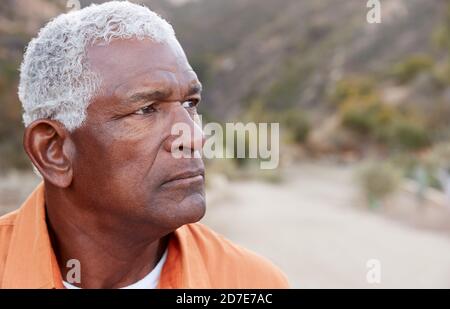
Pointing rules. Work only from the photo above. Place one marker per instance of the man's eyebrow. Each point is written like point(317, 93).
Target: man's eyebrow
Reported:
point(150, 95)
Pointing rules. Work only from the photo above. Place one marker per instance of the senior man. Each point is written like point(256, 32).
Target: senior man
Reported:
point(101, 89)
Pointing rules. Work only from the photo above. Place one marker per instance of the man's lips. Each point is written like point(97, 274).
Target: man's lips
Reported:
point(186, 178)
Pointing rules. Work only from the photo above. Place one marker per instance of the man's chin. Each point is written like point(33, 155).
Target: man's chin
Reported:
point(170, 212)
point(191, 209)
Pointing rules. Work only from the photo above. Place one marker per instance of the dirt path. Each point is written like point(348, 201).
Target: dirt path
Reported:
point(311, 226)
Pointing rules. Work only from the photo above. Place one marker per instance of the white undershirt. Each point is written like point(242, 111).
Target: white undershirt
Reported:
point(150, 281)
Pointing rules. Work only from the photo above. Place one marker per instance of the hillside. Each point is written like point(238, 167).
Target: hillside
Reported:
point(277, 54)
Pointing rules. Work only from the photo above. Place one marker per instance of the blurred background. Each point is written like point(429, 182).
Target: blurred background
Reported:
point(364, 111)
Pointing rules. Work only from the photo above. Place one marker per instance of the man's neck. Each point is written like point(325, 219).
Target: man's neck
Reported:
point(110, 254)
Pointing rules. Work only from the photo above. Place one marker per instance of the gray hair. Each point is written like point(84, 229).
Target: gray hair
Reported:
point(55, 80)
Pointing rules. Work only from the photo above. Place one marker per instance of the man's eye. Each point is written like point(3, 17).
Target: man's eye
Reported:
point(145, 110)
point(190, 104)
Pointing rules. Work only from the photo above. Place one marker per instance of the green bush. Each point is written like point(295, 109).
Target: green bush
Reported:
point(366, 118)
point(297, 125)
point(378, 181)
point(384, 124)
point(409, 135)
point(361, 88)
point(407, 70)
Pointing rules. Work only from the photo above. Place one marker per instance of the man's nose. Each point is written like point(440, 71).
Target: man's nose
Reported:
point(186, 134)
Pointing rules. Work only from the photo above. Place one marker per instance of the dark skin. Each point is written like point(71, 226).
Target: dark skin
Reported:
point(114, 192)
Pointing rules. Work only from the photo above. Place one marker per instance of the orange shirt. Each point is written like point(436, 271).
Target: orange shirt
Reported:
point(197, 257)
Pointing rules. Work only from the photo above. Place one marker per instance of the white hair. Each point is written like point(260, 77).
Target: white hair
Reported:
point(55, 79)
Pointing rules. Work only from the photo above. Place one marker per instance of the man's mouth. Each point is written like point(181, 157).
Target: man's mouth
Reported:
point(186, 178)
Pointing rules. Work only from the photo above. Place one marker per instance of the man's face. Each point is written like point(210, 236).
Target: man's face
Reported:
point(123, 159)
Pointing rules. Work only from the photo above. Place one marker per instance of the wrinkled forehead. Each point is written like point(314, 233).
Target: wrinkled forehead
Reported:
point(121, 62)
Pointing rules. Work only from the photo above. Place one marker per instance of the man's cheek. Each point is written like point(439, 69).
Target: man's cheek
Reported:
point(131, 153)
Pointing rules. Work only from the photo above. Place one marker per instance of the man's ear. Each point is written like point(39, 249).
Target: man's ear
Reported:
point(48, 144)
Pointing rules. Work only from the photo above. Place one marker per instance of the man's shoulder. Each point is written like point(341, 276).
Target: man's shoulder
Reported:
point(237, 263)
point(7, 223)
point(8, 219)
point(6, 230)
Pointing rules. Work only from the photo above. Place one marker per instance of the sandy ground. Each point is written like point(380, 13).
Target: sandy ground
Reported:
point(316, 228)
